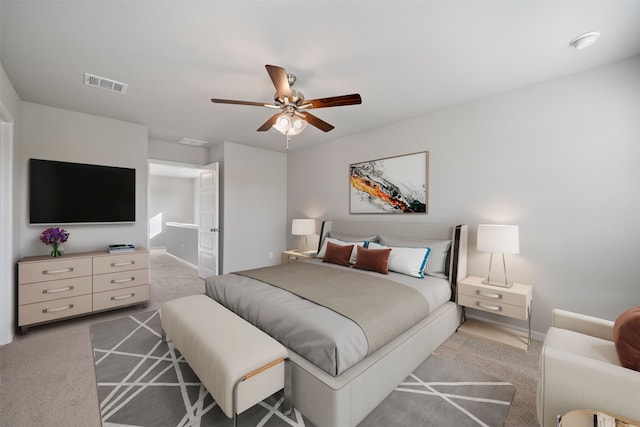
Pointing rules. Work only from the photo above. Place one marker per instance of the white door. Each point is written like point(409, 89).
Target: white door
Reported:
point(208, 224)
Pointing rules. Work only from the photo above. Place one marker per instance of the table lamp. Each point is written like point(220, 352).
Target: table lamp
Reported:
point(499, 239)
point(303, 228)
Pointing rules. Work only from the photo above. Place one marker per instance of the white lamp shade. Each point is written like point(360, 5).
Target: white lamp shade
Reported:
point(303, 227)
point(502, 239)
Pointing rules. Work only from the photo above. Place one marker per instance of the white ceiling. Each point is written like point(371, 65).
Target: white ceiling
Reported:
point(406, 59)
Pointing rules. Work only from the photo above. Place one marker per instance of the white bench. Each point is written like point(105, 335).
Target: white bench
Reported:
point(237, 363)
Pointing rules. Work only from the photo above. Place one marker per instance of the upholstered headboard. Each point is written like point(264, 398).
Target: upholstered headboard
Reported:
point(456, 233)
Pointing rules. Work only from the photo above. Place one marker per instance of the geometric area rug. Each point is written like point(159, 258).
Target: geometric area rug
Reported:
point(145, 382)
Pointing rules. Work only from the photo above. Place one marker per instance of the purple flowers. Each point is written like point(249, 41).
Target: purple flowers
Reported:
point(54, 236)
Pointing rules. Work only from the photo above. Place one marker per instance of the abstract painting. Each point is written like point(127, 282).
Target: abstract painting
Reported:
point(390, 185)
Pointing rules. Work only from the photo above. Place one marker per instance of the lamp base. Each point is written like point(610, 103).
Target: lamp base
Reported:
point(502, 285)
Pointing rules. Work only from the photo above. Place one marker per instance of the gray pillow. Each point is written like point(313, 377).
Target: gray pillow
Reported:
point(350, 239)
point(438, 257)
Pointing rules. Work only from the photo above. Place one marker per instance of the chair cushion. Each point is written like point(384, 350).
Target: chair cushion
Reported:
point(581, 344)
point(626, 335)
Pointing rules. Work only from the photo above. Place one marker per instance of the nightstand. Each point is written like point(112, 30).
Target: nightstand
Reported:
point(296, 256)
point(514, 302)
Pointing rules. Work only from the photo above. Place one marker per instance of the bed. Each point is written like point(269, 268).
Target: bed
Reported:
point(337, 381)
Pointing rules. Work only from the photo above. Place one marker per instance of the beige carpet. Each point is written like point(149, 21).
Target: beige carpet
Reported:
point(47, 377)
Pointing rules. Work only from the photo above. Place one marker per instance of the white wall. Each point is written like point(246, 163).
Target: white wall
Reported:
point(9, 250)
point(56, 134)
point(253, 205)
point(173, 152)
point(173, 199)
point(560, 159)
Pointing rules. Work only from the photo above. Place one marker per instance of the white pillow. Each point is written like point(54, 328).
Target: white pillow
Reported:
point(409, 261)
point(438, 257)
point(352, 259)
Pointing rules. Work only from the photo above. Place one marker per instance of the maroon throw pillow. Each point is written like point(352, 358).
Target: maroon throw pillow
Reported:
point(373, 259)
point(626, 335)
point(338, 254)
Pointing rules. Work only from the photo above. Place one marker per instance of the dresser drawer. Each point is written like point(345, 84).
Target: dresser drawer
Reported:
point(124, 262)
point(43, 271)
point(54, 289)
point(119, 280)
point(118, 297)
point(53, 310)
point(494, 306)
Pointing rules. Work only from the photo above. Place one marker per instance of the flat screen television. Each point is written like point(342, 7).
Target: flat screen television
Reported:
point(70, 193)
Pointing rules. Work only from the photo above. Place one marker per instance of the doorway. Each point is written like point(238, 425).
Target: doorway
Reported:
point(175, 208)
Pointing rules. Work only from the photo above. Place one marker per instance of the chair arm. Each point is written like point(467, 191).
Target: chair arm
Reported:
point(569, 381)
point(583, 324)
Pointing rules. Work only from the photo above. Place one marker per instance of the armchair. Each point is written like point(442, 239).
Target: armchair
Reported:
point(579, 369)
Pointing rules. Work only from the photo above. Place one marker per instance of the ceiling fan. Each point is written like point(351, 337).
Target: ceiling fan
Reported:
point(293, 117)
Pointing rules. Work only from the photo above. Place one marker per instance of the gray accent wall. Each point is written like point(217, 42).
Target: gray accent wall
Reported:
point(559, 159)
point(63, 135)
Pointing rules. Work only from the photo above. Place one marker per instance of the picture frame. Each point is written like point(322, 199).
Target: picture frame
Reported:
point(391, 185)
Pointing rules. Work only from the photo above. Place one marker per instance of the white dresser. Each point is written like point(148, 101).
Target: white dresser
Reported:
point(51, 289)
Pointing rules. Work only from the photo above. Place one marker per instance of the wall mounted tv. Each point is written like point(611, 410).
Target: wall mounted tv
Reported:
point(69, 193)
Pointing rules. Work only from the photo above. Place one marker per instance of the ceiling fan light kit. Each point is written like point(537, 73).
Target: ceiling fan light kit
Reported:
point(289, 124)
point(294, 118)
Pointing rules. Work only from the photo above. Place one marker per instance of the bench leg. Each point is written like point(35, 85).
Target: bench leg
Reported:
point(287, 388)
point(163, 336)
point(287, 407)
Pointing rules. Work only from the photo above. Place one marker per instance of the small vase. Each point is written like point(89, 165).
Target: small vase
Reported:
point(55, 252)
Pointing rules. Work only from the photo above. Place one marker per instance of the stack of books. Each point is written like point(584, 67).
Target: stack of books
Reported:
point(124, 247)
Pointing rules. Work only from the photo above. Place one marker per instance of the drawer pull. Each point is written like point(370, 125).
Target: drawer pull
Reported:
point(122, 264)
point(132, 294)
point(55, 291)
point(488, 307)
point(53, 310)
point(488, 294)
point(63, 270)
point(128, 279)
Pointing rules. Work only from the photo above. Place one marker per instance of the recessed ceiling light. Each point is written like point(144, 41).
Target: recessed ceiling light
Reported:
point(191, 141)
point(585, 40)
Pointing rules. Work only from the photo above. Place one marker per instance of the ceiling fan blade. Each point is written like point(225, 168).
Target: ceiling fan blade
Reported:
point(231, 101)
point(279, 78)
point(319, 123)
point(267, 125)
point(334, 101)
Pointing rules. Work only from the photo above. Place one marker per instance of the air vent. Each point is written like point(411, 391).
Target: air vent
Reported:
point(104, 83)
point(191, 141)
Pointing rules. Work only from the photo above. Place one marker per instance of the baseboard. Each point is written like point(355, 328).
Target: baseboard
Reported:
point(187, 263)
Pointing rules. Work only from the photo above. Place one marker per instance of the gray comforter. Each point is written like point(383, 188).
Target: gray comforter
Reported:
point(326, 338)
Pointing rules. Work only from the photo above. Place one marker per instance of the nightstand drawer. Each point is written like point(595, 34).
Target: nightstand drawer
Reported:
point(494, 293)
point(286, 258)
point(295, 256)
point(494, 306)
